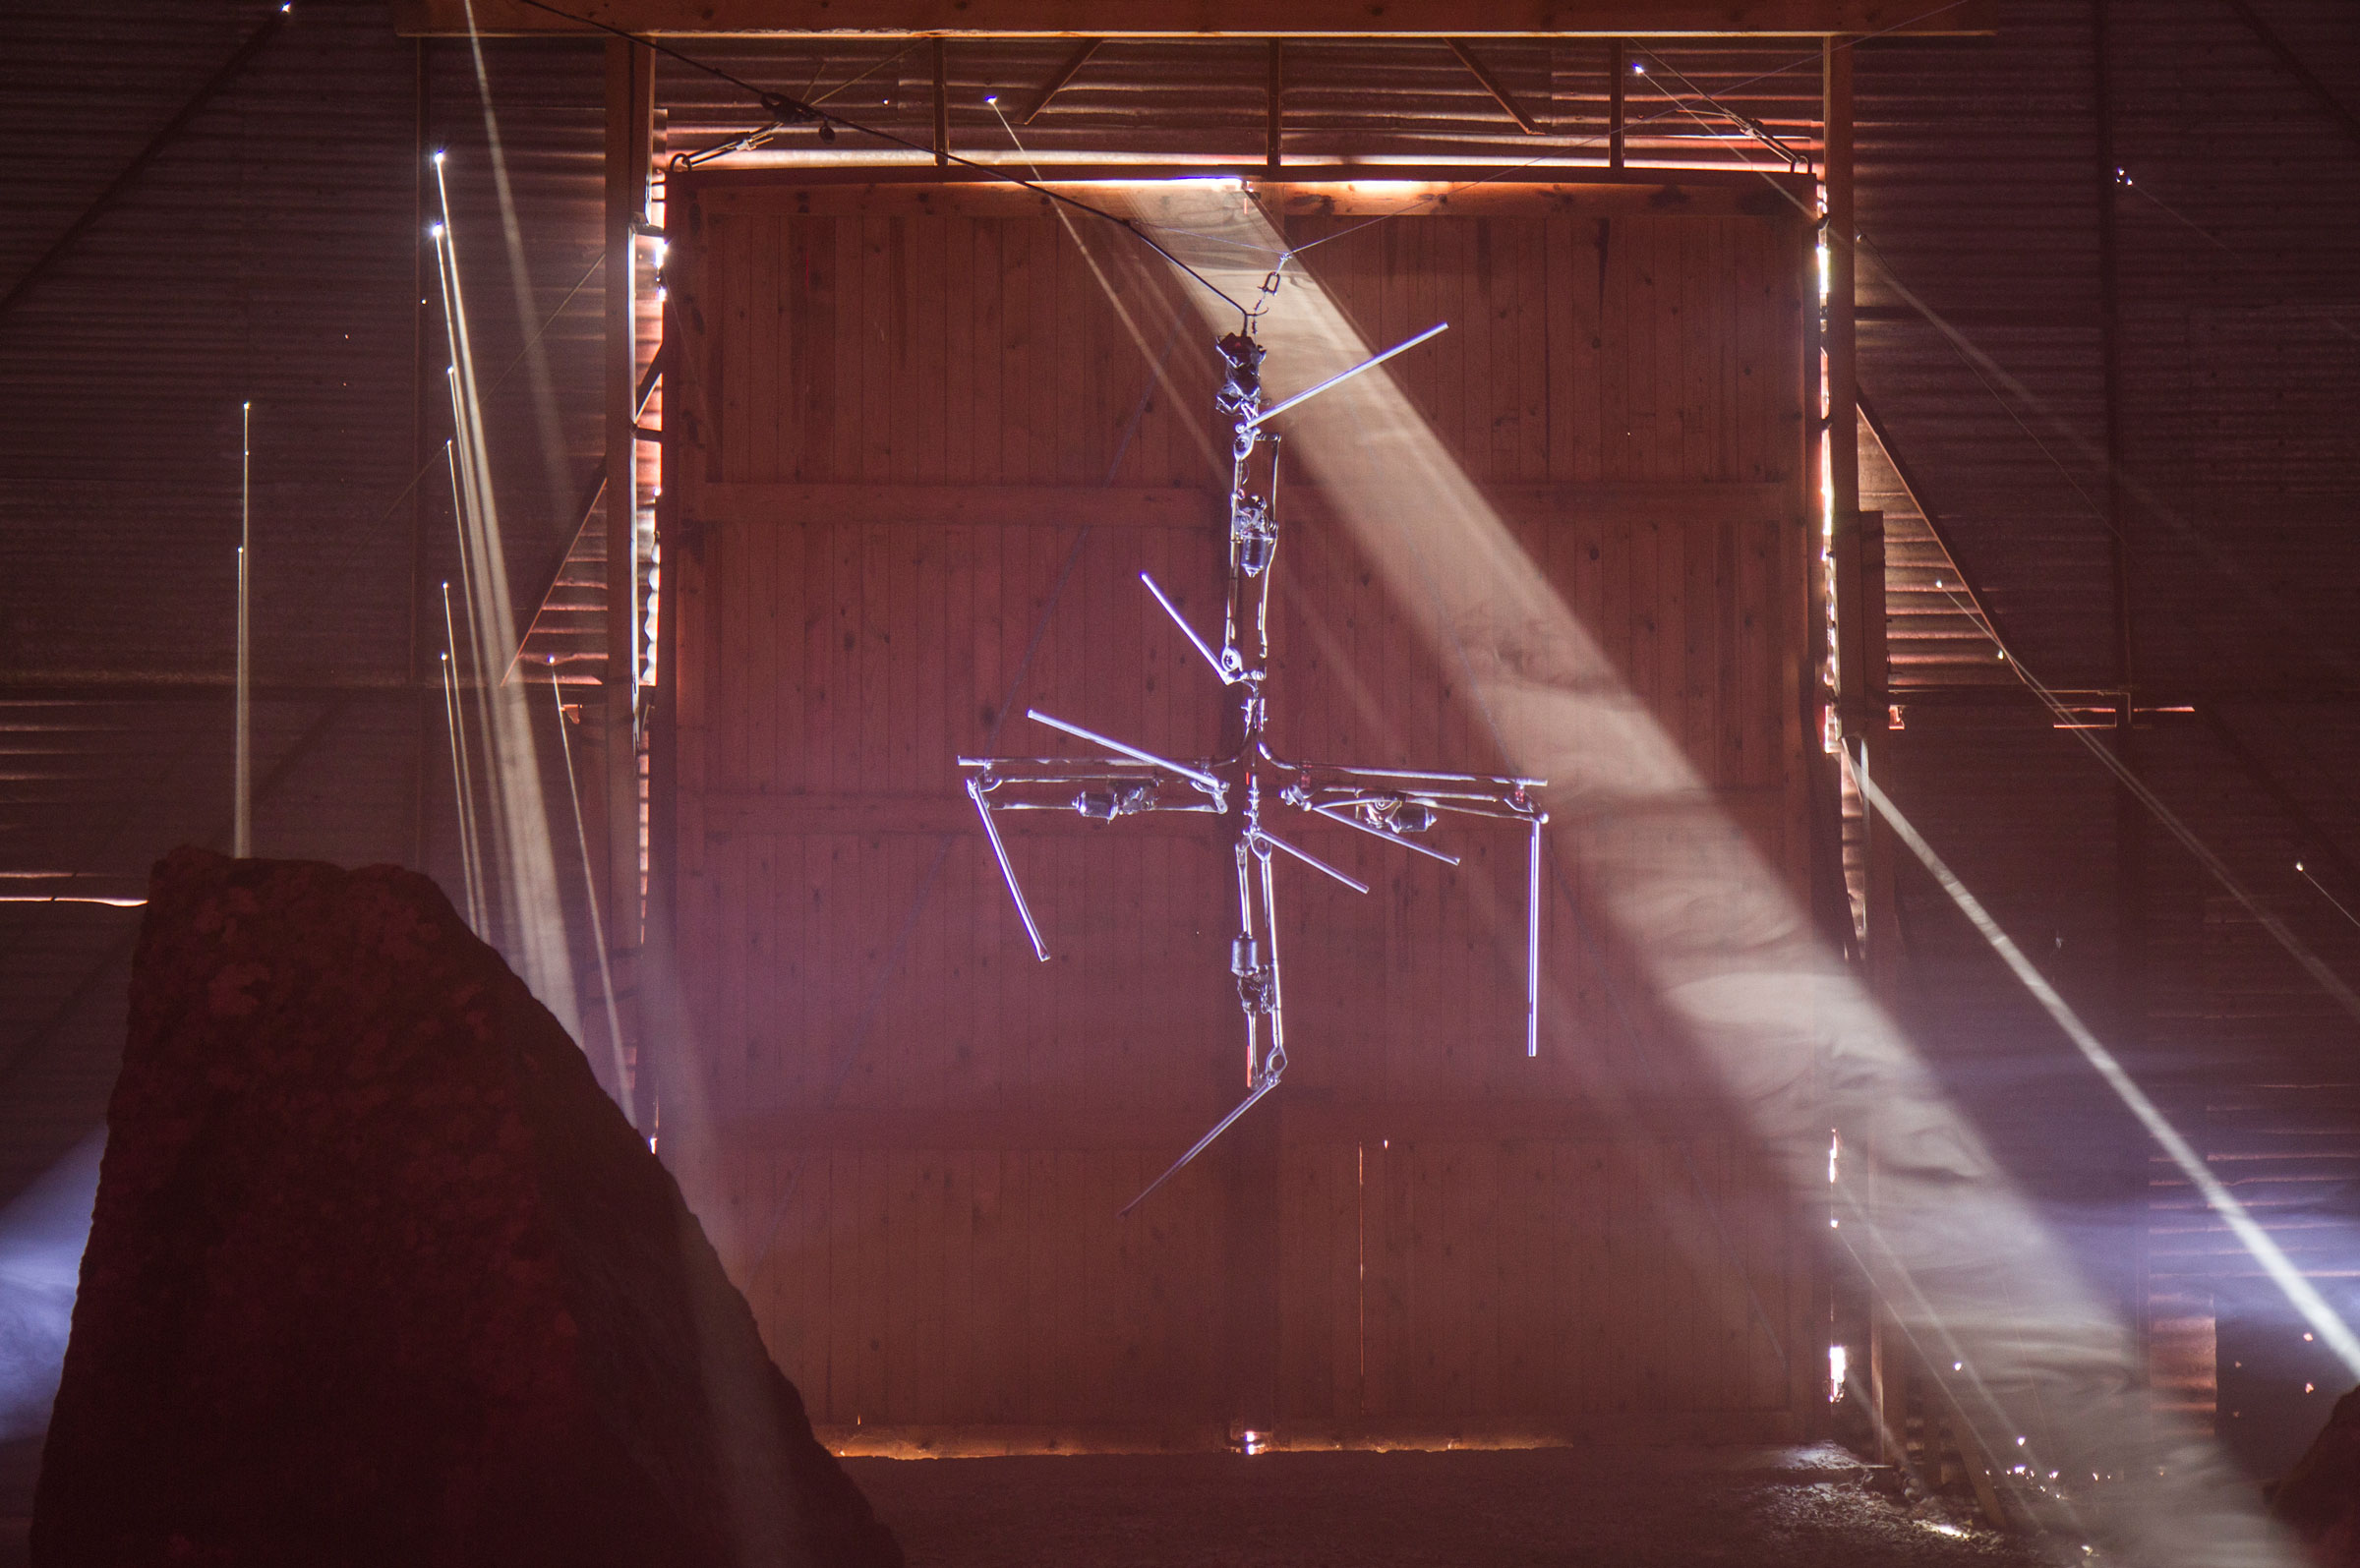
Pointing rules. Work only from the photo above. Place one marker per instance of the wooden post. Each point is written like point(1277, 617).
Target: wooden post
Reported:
point(1618, 68)
point(1277, 92)
point(2130, 815)
point(1857, 542)
point(629, 148)
point(942, 108)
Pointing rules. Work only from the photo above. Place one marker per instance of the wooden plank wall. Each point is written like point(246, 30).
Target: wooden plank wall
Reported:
point(922, 441)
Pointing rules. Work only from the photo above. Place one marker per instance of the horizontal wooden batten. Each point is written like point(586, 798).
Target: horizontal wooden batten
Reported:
point(1101, 507)
point(1194, 18)
point(951, 812)
point(1165, 191)
point(956, 505)
point(1624, 1429)
point(1309, 1117)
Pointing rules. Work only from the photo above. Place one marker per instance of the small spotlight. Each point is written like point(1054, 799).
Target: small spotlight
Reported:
point(1638, 67)
point(439, 155)
point(435, 230)
point(991, 97)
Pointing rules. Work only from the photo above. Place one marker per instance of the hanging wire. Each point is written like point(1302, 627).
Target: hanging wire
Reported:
point(2245, 263)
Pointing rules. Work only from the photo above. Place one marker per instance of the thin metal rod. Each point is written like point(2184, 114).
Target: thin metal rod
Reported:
point(1000, 851)
point(1201, 1145)
point(1133, 752)
point(1268, 414)
point(1245, 924)
point(1263, 835)
point(1188, 631)
point(598, 924)
point(1532, 944)
point(1359, 826)
point(241, 831)
point(1275, 1063)
point(1401, 772)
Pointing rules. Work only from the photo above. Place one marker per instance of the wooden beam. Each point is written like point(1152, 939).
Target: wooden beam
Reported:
point(956, 505)
point(629, 152)
point(1301, 191)
point(942, 107)
point(1197, 19)
point(1276, 126)
point(1618, 72)
point(1701, 503)
point(1493, 85)
point(1305, 1115)
point(1065, 74)
point(1755, 810)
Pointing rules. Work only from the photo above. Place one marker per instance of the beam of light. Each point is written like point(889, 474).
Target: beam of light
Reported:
point(241, 831)
point(521, 833)
point(2202, 852)
point(1794, 1038)
point(42, 1237)
point(462, 783)
point(2315, 1311)
point(598, 924)
point(550, 427)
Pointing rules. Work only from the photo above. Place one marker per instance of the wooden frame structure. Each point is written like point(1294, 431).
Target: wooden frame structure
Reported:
point(915, 1226)
point(1197, 19)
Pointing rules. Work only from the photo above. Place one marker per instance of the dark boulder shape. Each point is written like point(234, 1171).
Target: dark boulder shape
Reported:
point(378, 1276)
point(2319, 1500)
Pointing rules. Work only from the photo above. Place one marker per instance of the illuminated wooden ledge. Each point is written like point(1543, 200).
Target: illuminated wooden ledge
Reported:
point(1621, 1428)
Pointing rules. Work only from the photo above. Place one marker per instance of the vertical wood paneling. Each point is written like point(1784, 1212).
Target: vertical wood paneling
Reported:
point(1465, 1280)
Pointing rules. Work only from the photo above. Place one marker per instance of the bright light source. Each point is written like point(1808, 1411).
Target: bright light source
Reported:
point(1837, 1358)
point(991, 97)
point(435, 230)
point(1639, 67)
point(440, 154)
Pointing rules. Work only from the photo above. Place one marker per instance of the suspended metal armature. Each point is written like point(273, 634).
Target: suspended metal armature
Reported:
point(1392, 804)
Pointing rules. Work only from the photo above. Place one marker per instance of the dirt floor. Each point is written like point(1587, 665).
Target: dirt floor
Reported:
point(1763, 1508)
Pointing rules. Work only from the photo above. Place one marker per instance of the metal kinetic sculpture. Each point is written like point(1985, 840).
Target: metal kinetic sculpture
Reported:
point(1387, 803)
